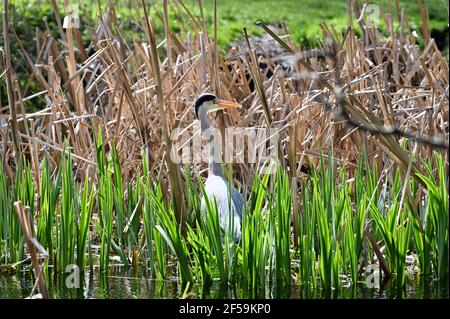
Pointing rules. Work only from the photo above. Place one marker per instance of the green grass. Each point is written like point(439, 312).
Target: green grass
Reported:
point(66, 233)
point(50, 190)
point(436, 221)
point(105, 199)
point(302, 17)
point(255, 240)
point(331, 243)
point(85, 207)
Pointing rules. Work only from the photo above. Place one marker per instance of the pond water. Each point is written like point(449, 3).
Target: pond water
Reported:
point(122, 284)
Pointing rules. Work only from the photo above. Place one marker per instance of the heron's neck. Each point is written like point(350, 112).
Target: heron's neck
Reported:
point(215, 162)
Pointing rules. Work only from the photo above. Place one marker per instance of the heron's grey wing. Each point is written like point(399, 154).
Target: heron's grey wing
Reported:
point(238, 201)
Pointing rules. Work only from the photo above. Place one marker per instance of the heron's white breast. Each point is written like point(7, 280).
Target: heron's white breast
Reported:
point(217, 188)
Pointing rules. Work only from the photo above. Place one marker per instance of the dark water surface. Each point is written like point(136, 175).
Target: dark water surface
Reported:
point(123, 285)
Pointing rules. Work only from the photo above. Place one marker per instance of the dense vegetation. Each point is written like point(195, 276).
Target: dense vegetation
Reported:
point(302, 20)
point(326, 247)
point(366, 111)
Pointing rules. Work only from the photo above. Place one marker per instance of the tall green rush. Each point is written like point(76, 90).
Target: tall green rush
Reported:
point(86, 206)
point(66, 232)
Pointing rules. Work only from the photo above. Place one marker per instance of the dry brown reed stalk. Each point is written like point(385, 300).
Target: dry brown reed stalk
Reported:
point(10, 81)
point(173, 168)
point(354, 111)
point(378, 253)
point(318, 100)
point(34, 247)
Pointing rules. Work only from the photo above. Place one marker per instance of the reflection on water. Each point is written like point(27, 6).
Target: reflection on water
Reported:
point(122, 284)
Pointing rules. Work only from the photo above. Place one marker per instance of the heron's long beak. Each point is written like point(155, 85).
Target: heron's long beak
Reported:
point(222, 104)
point(227, 104)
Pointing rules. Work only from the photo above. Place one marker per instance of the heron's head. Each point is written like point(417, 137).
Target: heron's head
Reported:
point(210, 103)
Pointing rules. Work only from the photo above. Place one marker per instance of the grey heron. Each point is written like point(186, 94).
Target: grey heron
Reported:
point(228, 199)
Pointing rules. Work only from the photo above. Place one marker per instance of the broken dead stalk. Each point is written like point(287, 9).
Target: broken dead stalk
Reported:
point(33, 245)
